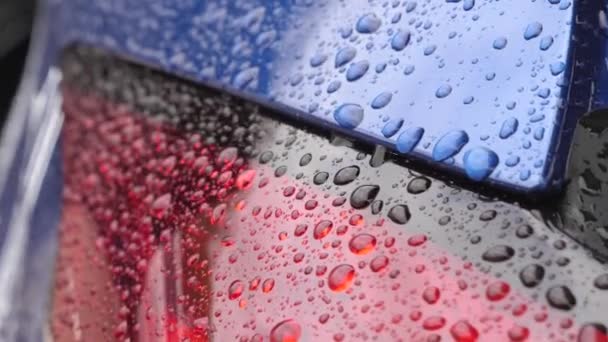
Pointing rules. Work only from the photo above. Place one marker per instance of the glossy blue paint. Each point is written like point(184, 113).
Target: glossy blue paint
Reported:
point(447, 65)
point(270, 50)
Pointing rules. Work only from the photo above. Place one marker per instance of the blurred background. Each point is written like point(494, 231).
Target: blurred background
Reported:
point(15, 27)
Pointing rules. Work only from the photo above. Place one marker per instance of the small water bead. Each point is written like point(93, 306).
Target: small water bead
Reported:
point(235, 289)
point(305, 160)
point(400, 40)
point(317, 60)
point(601, 281)
point(345, 55)
point(450, 144)
point(392, 127)
point(349, 115)
point(593, 332)
point(500, 43)
point(533, 30)
point(479, 163)
point(357, 70)
point(368, 23)
point(518, 333)
point(381, 100)
point(433, 323)
point(408, 140)
point(341, 277)
point(429, 50)
point(378, 263)
point(409, 69)
point(431, 295)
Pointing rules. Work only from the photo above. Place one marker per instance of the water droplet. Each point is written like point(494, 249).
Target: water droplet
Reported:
point(345, 55)
point(362, 244)
point(349, 115)
point(518, 333)
point(532, 275)
point(382, 100)
point(557, 68)
point(400, 40)
point(363, 196)
point(463, 331)
point(546, 42)
point(268, 285)
point(317, 60)
point(341, 277)
point(346, 175)
point(560, 297)
point(378, 263)
point(431, 295)
point(601, 281)
point(524, 231)
point(509, 127)
point(392, 127)
point(286, 331)
point(357, 70)
point(320, 178)
point(368, 23)
point(479, 162)
point(533, 30)
point(497, 291)
point(418, 185)
point(305, 160)
point(322, 228)
point(593, 332)
point(443, 91)
point(235, 289)
point(399, 214)
point(468, 5)
point(500, 43)
point(417, 240)
point(408, 139)
point(450, 144)
point(433, 323)
point(498, 253)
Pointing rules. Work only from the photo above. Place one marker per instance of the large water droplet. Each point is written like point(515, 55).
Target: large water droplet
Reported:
point(341, 277)
point(286, 331)
point(346, 175)
point(500, 43)
point(357, 70)
point(345, 55)
point(349, 115)
point(479, 162)
point(362, 244)
point(418, 185)
point(532, 275)
point(399, 214)
point(382, 100)
point(463, 331)
point(498, 253)
point(408, 139)
point(601, 281)
point(508, 128)
point(363, 196)
point(560, 297)
point(593, 332)
point(322, 228)
point(533, 30)
point(368, 23)
point(392, 127)
point(497, 290)
point(450, 144)
point(400, 40)
point(443, 91)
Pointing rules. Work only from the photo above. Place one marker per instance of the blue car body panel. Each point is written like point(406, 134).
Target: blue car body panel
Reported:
point(496, 72)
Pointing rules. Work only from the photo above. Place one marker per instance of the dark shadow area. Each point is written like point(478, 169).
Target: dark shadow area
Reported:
point(11, 67)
